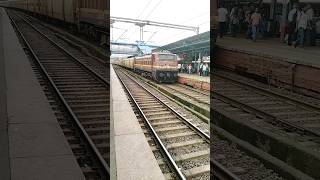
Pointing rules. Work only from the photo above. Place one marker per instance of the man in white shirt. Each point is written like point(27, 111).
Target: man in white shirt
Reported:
point(292, 19)
point(234, 20)
point(222, 18)
point(302, 23)
point(204, 69)
point(310, 32)
point(179, 68)
point(255, 23)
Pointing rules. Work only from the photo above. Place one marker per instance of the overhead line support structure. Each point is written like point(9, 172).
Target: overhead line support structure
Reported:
point(142, 23)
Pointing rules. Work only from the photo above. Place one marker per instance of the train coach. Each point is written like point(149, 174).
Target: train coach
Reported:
point(159, 66)
point(89, 17)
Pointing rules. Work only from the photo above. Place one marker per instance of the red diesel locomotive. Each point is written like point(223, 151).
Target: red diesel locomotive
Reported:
point(160, 66)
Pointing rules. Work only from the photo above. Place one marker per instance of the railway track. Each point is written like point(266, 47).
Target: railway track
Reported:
point(99, 65)
point(166, 170)
point(197, 100)
point(78, 95)
point(289, 113)
point(184, 146)
point(256, 107)
point(228, 161)
point(220, 173)
point(199, 96)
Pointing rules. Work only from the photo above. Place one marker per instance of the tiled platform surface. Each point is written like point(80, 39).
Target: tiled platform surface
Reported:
point(131, 156)
point(273, 48)
point(32, 144)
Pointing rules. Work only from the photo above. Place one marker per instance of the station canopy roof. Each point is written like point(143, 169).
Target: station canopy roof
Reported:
point(195, 43)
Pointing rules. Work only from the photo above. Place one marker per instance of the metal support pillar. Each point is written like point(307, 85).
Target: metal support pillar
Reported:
point(141, 25)
point(141, 33)
point(199, 62)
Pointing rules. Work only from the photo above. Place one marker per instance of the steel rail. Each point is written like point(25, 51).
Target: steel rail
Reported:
point(199, 131)
point(203, 92)
point(267, 91)
point(270, 118)
point(105, 82)
point(65, 104)
point(173, 164)
point(221, 172)
point(196, 113)
point(263, 114)
point(183, 93)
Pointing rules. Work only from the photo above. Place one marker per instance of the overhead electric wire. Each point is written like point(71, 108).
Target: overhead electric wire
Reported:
point(182, 22)
point(122, 35)
point(195, 17)
point(151, 37)
point(153, 9)
point(205, 22)
point(145, 7)
point(148, 15)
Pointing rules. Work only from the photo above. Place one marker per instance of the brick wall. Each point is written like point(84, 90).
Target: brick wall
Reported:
point(279, 71)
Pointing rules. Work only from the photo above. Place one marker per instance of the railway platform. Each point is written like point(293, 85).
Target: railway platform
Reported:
point(32, 143)
point(131, 155)
point(196, 81)
point(274, 62)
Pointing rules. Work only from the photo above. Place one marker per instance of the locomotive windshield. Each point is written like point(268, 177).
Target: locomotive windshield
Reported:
point(167, 57)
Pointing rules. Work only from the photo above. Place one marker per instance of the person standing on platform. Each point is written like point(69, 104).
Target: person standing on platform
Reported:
point(248, 13)
point(241, 18)
point(234, 21)
point(302, 23)
point(206, 69)
point(264, 25)
point(317, 29)
point(292, 20)
point(222, 19)
point(310, 31)
point(203, 70)
point(189, 69)
point(200, 69)
point(255, 23)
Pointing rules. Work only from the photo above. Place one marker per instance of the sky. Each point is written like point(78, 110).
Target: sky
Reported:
point(182, 12)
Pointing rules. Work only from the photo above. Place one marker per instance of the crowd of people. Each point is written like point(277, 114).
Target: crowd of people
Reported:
point(201, 69)
point(254, 22)
point(300, 25)
point(241, 18)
